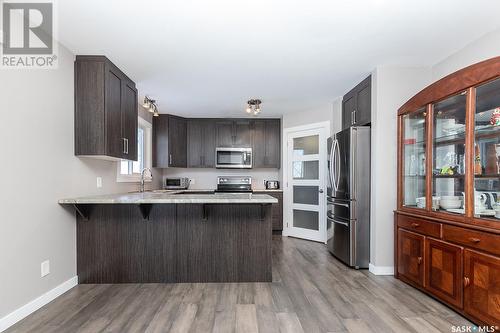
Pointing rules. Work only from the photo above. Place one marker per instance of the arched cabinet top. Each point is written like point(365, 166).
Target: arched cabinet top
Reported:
point(454, 83)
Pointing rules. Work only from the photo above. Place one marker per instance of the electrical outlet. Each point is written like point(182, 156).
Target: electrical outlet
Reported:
point(99, 182)
point(45, 268)
point(192, 181)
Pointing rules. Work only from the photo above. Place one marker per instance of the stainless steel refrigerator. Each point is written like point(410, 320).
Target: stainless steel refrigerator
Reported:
point(348, 196)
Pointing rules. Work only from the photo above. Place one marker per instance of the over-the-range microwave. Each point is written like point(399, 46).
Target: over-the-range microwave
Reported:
point(233, 158)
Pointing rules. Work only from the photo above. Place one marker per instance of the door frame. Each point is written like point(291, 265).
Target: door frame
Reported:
point(324, 127)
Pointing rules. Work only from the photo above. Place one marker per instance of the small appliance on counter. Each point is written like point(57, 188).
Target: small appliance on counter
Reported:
point(272, 184)
point(234, 184)
point(178, 183)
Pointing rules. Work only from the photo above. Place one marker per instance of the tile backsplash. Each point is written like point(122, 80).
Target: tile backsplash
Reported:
point(207, 178)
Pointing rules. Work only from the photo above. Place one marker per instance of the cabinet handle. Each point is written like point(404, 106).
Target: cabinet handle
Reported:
point(170, 159)
point(126, 145)
point(466, 281)
point(415, 225)
point(474, 240)
point(354, 113)
point(124, 141)
point(352, 118)
point(419, 260)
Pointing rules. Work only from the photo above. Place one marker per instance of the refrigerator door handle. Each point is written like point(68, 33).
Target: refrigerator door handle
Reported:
point(338, 203)
point(337, 165)
point(337, 221)
point(330, 168)
point(333, 164)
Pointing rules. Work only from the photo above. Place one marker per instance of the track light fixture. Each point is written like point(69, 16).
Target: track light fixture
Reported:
point(150, 104)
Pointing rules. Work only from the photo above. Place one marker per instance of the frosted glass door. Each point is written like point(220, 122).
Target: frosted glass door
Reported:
point(306, 168)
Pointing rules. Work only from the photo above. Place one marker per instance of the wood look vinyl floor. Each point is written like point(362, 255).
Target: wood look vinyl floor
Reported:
point(311, 292)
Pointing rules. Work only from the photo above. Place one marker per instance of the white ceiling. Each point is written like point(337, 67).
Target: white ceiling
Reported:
point(208, 57)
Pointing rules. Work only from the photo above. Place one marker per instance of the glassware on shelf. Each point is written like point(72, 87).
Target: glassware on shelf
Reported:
point(414, 148)
point(487, 151)
point(448, 176)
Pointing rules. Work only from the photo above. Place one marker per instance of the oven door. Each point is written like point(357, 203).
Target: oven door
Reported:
point(233, 158)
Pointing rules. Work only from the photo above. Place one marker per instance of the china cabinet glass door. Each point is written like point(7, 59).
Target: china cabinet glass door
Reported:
point(487, 151)
point(448, 172)
point(414, 152)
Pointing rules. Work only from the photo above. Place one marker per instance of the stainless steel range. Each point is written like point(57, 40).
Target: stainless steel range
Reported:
point(234, 184)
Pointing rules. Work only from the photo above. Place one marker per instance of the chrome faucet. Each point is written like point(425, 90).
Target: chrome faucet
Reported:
point(142, 177)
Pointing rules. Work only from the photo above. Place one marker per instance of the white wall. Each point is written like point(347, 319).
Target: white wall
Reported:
point(488, 46)
point(305, 117)
point(38, 167)
point(206, 179)
point(391, 88)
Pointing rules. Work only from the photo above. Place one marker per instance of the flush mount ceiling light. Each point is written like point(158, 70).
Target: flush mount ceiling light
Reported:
point(150, 105)
point(253, 106)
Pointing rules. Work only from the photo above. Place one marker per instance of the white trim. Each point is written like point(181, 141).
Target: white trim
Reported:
point(381, 270)
point(148, 153)
point(27, 309)
point(301, 128)
point(287, 206)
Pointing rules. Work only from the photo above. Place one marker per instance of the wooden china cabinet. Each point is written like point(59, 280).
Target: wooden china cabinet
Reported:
point(447, 224)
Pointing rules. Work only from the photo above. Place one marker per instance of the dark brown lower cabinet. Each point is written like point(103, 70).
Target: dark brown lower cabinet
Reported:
point(411, 257)
point(443, 271)
point(482, 287)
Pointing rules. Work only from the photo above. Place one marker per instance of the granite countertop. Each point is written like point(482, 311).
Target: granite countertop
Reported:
point(267, 190)
point(173, 197)
point(213, 190)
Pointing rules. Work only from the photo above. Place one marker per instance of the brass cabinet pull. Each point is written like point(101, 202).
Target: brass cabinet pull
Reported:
point(415, 225)
point(466, 281)
point(474, 240)
point(419, 260)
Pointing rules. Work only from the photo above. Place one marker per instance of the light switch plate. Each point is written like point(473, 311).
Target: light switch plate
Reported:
point(99, 182)
point(45, 268)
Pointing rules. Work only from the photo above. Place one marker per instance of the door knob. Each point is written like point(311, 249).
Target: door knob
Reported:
point(320, 190)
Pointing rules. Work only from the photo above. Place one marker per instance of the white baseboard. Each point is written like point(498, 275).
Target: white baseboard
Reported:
point(381, 270)
point(36, 304)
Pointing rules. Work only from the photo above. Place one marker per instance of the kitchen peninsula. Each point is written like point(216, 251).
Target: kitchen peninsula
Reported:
point(159, 236)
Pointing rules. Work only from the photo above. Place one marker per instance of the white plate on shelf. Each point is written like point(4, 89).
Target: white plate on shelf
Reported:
point(456, 210)
point(488, 212)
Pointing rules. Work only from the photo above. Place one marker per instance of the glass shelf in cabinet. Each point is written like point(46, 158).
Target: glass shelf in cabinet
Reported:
point(450, 139)
point(486, 132)
point(487, 176)
point(448, 176)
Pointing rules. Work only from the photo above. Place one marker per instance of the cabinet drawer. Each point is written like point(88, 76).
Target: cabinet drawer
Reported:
point(421, 226)
point(472, 238)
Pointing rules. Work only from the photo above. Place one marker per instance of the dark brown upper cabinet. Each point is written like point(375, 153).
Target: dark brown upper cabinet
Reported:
point(169, 141)
point(106, 110)
point(233, 133)
point(201, 143)
point(266, 143)
point(356, 105)
point(191, 142)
